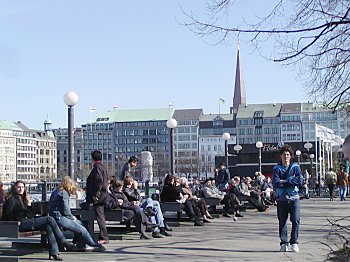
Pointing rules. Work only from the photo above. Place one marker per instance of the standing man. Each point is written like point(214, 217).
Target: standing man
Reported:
point(126, 170)
point(223, 177)
point(331, 181)
point(342, 182)
point(97, 193)
point(287, 178)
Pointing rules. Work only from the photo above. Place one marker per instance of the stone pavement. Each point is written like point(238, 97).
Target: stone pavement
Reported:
point(252, 238)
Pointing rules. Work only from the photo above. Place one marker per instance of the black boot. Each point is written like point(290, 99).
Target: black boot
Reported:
point(164, 232)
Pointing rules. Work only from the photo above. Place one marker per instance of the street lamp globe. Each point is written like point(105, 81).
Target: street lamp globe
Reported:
point(259, 144)
point(171, 123)
point(226, 136)
point(312, 156)
point(307, 146)
point(70, 98)
point(298, 153)
point(237, 148)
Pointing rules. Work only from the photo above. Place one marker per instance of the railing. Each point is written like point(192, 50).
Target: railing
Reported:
point(42, 188)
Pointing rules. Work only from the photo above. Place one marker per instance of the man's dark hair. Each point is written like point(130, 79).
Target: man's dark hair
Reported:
point(287, 148)
point(133, 159)
point(96, 155)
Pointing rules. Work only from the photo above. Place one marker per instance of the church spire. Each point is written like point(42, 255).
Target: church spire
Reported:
point(239, 96)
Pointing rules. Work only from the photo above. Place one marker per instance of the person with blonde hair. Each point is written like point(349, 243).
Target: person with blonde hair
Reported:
point(60, 210)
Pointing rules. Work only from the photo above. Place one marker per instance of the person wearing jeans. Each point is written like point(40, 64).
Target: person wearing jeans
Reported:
point(60, 210)
point(342, 182)
point(17, 208)
point(287, 178)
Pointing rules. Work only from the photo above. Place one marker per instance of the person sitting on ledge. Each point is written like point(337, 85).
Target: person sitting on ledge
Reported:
point(150, 207)
point(118, 199)
point(60, 210)
point(17, 207)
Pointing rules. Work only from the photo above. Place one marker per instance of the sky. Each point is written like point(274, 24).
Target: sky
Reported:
point(132, 55)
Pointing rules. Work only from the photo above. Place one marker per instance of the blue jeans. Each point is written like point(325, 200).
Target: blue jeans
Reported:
point(83, 235)
point(47, 223)
point(291, 208)
point(158, 218)
point(342, 192)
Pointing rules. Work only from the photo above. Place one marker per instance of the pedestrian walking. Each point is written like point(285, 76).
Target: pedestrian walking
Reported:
point(97, 193)
point(331, 181)
point(342, 182)
point(287, 178)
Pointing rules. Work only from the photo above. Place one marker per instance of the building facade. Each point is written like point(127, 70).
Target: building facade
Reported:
point(119, 134)
point(81, 169)
point(186, 143)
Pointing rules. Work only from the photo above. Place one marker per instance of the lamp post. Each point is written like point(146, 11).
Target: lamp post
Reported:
point(171, 124)
point(70, 99)
point(312, 156)
point(298, 153)
point(226, 136)
point(237, 148)
point(259, 145)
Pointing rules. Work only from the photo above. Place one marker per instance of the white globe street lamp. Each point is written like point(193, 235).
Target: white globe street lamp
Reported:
point(226, 136)
point(237, 148)
point(308, 146)
point(298, 153)
point(70, 99)
point(259, 145)
point(171, 124)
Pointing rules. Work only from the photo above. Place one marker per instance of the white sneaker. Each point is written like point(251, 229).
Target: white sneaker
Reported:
point(295, 248)
point(234, 218)
point(284, 248)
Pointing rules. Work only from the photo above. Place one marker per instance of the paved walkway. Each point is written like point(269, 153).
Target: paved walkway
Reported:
point(252, 238)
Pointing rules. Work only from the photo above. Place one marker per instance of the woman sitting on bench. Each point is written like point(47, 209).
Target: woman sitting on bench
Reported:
point(17, 208)
point(60, 210)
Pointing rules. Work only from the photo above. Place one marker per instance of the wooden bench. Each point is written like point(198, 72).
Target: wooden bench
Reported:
point(10, 229)
point(172, 207)
point(88, 216)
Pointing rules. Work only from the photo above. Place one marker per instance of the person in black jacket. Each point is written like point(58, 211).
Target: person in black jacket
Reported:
point(118, 199)
point(17, 208)
point(97, 193)
point(150, 207)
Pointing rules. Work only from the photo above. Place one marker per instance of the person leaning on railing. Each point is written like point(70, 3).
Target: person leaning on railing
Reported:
point(17, 207)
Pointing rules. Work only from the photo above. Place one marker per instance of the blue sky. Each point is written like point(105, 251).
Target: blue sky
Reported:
point(130, 54)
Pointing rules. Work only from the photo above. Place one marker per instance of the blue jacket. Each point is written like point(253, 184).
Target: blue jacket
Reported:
point(293, 179)
point(59, 205)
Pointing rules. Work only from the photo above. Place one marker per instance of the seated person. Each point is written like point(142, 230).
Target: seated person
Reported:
point(201, 205)
point(60, 211)
point(236, 189)
point(173, 193)
point(267, 189)
point(196, 187)
point(17, 207)
point(118, 199)
point(151, 207)
point(230, 201)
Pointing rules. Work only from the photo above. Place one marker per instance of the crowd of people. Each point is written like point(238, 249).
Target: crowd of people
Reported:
point(103, 192)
